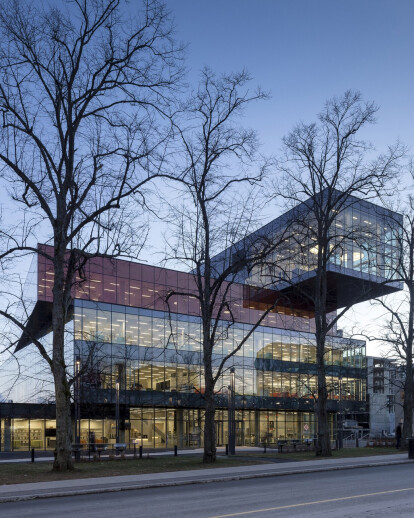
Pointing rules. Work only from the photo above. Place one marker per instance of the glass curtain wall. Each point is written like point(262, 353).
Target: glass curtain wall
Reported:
point(158, 355)
point(148, 352)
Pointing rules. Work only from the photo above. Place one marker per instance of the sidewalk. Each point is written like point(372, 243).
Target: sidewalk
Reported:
point(16, 492)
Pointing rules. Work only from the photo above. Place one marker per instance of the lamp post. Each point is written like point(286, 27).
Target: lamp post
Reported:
point(340, 422)
point(231, 413)
point(77, 401)
point(175, 402)
point(117, 386)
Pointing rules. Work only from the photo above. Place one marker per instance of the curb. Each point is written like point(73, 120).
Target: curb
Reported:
point(227, 478)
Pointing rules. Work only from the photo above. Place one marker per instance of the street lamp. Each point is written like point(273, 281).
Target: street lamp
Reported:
point(340, 422)
point(117, 386)
point(231, 413)
point(77, 401)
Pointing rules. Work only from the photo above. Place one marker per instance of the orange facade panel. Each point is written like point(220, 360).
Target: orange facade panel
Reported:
point(115, 281)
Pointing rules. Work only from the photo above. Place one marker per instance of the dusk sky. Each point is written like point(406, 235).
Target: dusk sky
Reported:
point(304, 52)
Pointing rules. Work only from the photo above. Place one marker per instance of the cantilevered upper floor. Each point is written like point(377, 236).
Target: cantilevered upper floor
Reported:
point(362, 250)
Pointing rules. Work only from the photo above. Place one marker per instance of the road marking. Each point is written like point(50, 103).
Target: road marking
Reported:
point(244, 513)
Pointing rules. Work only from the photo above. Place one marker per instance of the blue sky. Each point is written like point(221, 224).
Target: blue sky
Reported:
point(304, 52)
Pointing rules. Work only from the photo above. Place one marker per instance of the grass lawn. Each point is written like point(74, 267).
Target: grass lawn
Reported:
point(17, 473)
point(22, 472)
point(343, 453)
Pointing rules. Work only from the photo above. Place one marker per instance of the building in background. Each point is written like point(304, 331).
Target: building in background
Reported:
point(385, 395)
point(129, 343)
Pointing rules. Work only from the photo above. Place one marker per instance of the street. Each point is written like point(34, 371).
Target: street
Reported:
point(366, 492)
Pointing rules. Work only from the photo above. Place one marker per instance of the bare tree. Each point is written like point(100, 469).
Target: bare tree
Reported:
point(325, 166)
point(397, 333)
point(81, 94)
point(219, 157)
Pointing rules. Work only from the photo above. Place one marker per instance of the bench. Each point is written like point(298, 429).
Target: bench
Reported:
point(119, 447)
point(99, 448)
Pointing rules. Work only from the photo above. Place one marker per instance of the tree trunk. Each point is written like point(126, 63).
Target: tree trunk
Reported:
point(210, 407)
point(209, 431)
point(209, 455)
point(323, 443)
point(63, 457)
point(408, 407)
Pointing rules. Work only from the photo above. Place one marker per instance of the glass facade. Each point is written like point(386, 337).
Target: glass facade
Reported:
point(25, 433)
point(124, 333)
point(164, 428)
point(122, 330)
point(365, 241)
point(362, 240)
point(137, 285)
point(148, 350)
point(156, 357)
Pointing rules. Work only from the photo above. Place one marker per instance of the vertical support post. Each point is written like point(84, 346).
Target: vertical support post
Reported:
point(140, 452)
point(175, 450)
point(231, 413)
point(340, 421)
point(8, 443)
point(32, 455)
point(77, 408)
point(117, 388)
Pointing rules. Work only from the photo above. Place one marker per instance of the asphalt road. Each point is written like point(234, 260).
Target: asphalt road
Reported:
point(366, 492)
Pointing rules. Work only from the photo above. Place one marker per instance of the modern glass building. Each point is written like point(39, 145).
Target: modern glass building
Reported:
point(364, 247)
point(128, 342)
